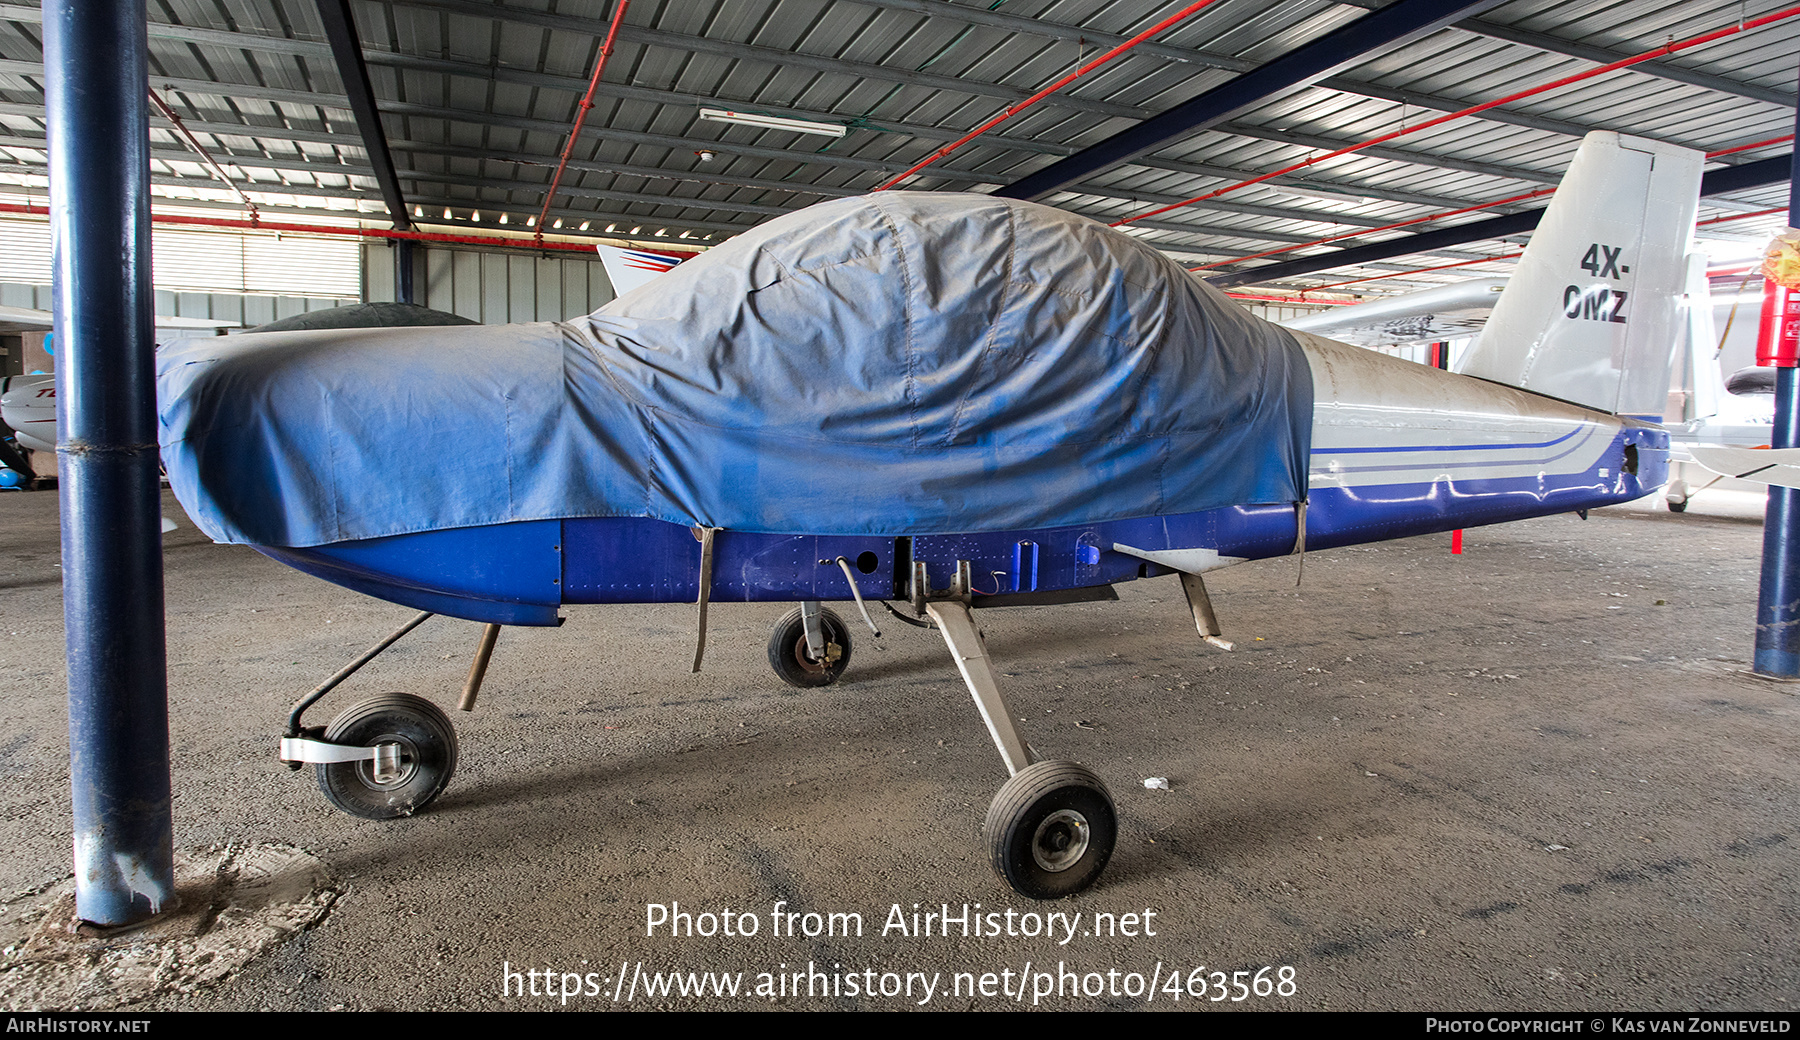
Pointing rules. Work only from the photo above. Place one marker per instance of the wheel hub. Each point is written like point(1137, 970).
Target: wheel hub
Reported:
point(1060, 841)
point(379, 778)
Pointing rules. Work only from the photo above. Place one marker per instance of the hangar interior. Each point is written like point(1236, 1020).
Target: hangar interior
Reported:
point(1574, 796)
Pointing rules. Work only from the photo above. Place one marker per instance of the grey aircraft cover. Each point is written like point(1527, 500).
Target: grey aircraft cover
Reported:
point(895, 363)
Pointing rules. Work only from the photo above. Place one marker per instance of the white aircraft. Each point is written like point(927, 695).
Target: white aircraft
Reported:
point(28, 402)
point(954, 401)
point(1434, 315)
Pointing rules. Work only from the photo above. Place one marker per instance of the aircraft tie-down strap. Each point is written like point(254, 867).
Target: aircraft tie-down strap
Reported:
point(704, 535)
point(1300, 539)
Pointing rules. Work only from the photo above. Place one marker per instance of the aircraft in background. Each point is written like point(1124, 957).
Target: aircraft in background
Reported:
point(954, 401)
point(28, 402)
point(1435, 315)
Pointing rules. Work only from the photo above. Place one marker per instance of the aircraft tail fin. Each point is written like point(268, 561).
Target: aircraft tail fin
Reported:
point(629, 268)
point(1593, 312)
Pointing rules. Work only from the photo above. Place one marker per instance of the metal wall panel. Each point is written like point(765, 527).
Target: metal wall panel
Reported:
point(492, 287)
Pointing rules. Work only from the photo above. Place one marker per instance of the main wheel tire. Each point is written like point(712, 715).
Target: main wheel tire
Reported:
point(427, 756)
point(796, 667)
point(1051, 830)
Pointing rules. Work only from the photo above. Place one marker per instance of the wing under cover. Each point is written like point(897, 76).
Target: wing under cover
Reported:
point(894, 363)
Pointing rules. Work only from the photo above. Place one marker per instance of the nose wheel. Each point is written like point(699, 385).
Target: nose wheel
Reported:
point(416, 755)
point(794, 659)
point(1051, 830)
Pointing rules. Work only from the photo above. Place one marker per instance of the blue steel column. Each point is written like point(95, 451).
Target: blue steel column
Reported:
point(1778, 601)
point(95, 82)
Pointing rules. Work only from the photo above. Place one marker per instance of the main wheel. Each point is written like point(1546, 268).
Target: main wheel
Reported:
point(1051, 830)
point(796, 667)
point(427, 756)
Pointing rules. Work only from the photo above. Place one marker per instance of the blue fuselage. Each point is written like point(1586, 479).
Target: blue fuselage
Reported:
point(1398, 450)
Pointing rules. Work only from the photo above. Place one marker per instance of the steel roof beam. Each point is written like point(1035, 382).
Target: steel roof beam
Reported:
point(1206, 59)
point(346, 51)
point(1606, 56)
point(1392, 154)
point(1393, 26)
point(673, 97)
point(1717, 182)
point(574, 84)
point(773, 56)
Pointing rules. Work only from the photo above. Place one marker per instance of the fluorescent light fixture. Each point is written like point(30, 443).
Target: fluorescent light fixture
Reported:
point(1327, 196)
point(799, 126)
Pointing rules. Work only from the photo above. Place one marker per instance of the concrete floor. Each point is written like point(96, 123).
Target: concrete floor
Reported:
point(1532, 776)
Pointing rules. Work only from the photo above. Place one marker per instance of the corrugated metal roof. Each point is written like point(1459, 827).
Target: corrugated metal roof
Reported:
point(477, 98)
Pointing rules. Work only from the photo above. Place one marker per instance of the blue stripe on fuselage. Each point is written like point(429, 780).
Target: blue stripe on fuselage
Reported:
point(499, 573)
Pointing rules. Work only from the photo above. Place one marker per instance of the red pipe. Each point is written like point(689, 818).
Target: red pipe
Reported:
point(1747, 147)
point(355, 232)
point(1015, 109)
point(1669, 48)
point(1300, 300)
point(587, 102)
point(1385, 227)
point(1486, 205)
point(193, 142)
point(1742, 216)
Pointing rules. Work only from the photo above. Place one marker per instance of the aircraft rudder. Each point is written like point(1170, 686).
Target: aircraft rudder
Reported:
point(1592, 313)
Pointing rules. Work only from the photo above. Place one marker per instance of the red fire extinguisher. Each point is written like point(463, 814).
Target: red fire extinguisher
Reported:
point(1778, 334)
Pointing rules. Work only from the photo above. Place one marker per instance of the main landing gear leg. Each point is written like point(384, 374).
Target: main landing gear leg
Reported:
point(1201, 604)
point(1051, 829)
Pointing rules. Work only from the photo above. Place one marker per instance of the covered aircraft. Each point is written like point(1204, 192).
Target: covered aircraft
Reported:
point(955, 401)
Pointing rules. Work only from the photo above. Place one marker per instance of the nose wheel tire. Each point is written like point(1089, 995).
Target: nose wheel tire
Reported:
point(427, 757)
point(1051, 830)
point(796, 667)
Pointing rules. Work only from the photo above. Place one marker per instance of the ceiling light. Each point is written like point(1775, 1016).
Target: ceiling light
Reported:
point(531, 222)
point(612, 227)
point(705, 155)
point(661, 231)
point(475, 216)
point(584, 225)
point(446, 212)
point(799, 126)
point(502, 218)
point(558, 223)
point(1328, 196)
point(418, 211)
point(635, 230)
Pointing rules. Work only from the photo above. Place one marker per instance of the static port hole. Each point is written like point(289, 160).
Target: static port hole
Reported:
point(867, 562)
point(1631, 462)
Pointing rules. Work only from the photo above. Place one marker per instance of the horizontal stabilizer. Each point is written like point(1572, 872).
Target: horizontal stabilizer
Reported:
point(1428, 316)
point(1779, 466)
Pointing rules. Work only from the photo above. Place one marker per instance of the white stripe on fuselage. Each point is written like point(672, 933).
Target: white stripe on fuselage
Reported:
point(1381, 420)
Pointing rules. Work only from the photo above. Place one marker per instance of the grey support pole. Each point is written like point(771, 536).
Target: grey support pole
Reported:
point(95, 84)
